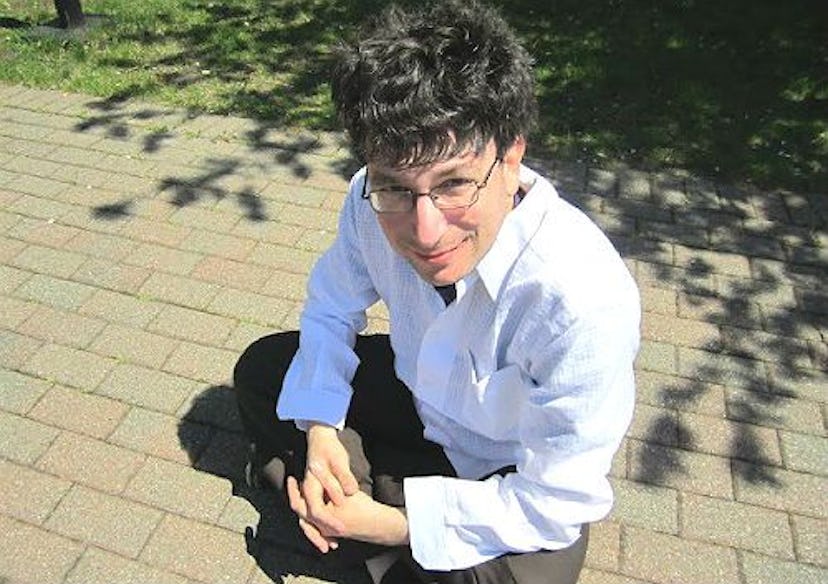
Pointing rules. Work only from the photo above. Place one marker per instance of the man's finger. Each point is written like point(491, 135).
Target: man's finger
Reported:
point(313, 535)
point(297, 502)
point(346, 479)
point(329, 482)
point(317, 510)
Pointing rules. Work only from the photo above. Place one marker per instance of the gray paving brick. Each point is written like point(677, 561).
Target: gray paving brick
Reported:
point(165, 259)
point(109, 522)
point(659, 301)
point(104, 273)
point(715, 435)
point(97, 566)
point(707, 261)
point(18, 392)
point(31, 554)
point(211, 220)
point(218, 244)
point(13, 311)
point(268, 231)
point(668, 391)
point(193, 325)
point(147, 388)
point(11, 278)
point(180, 290)
point(161, 435)
point(811, 539)
point(28, 495)
point(208, 364)
point(732, 312)
point(153, 231)
point(215, 406)
point(245, 334)
point(657, 357)
point(786, 350)
point(655, 425)
point(280, 257)
point(314, 240)
point(16, 349)
point(592, 576)
point(646, 506)
point(680, 469)
point(665, 558)
point(180, 545)
point(808, 384)
point(737, 525)
point(45, 260)
point(231, 273)
point(679, 331)
point(805, 452)
point(23, 440)
point(723, 369)
point(10, 248)
point(61, 327)
point(37, 186)
point(784, 490)
point(286, 285)
point(759, 569)
point(91, 462)
point(604, 551)
point(249, 306)
point(774, 411)
point(134, 345)
point(45, 232)
point(79, 412)
point(180, 489)
point(72, 367)
point(121, 308)
point(55, 292)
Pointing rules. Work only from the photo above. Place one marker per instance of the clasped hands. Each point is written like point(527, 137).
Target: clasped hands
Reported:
point(330, 505)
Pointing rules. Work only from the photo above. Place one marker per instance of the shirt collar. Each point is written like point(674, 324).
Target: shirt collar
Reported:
point(517, 230)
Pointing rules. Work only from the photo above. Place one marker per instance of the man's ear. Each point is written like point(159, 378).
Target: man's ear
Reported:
point(511, 162)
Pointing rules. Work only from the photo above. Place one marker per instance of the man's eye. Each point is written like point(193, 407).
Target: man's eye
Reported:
point(453, 183)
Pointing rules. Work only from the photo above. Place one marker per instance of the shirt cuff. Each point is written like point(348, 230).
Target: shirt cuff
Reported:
point(426, 511)
point(328, 407)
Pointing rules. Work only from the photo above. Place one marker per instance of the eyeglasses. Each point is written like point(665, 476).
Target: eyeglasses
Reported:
point(455, 193)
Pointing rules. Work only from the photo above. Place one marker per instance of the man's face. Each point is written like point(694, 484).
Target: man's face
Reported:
point(443, 246)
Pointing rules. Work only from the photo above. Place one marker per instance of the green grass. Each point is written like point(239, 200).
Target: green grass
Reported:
point(733, 90)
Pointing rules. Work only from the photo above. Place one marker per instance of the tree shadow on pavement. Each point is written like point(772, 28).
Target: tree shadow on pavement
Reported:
point(274, 541)
point(745, 264)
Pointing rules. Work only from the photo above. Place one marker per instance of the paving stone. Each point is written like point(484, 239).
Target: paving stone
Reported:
point(202, 552)
point(244, 335)
point(193, 325)
point(23, 440)
point(657, 357)
point(811, 539)
point(79, 412)
point(805, 452)
point(592, 576)
point(68, 366)
point(680, 469)
point(286, 285)
point(647, 506)
point(679, 331)
point(689, 395)
point(37, 186)
point(134, 345)
point(715, 435)
point(11, 278)
point(97, 566)
point(785, 350)
point(315, 240)
point(43, 232)
point(604, 551)
point(251, 307)
point(61, 327)
point(218, 244)
point(723, 369)
point(31, 554)
point(207, 364)
point(655, 425)
point(121, 308)
point(9, 248)
point(28, 495)
point(180, 489)
point(215, 406)
point(231, 273)
point(737, 525)
point(104, 273)
point(109, 522)
point(808, 384)
point(705, 261)
point(759, 569)
point(162, 436)
point(727, 311)
point(159, 258)
point(16, 349)
point(268, 231)
point(659, 557)
point(774, 411)
point(146, 387)
point(101, 245)
point(54, 291)
point(784, 490)
point(13, 311)
point(153, 231)
point(18, 392)
point(45, 260)
point(659, 301)
point(91, 462)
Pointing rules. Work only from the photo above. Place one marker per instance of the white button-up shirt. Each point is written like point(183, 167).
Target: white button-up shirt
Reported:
point(531, 366)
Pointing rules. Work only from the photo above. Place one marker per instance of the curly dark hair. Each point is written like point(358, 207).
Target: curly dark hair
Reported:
point(424, 85)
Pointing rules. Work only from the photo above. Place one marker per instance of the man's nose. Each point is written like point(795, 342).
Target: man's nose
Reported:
point(429, 223)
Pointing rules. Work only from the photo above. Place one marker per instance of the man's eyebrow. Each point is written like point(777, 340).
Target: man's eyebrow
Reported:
point(378, 176)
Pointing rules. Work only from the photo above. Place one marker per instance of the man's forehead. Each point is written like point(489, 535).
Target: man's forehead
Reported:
point(382, 168)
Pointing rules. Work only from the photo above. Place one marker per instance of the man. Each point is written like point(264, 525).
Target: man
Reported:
point(475, 440)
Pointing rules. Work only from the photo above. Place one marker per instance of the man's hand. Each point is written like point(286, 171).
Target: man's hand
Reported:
point(329, 465)
point(357, 516)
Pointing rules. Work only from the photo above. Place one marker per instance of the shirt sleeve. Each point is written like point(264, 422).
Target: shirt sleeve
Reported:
point(579, 406)
point(317, 385)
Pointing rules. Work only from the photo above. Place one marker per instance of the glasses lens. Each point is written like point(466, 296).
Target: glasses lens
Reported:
point(452, 196)
point(390, 201)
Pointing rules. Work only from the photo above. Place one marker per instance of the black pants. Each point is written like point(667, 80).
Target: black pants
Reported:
point(384, 439)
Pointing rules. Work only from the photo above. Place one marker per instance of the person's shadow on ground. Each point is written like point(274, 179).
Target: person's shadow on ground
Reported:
point(276, 542)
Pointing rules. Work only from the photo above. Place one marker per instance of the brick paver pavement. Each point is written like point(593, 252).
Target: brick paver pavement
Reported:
point(142, 248)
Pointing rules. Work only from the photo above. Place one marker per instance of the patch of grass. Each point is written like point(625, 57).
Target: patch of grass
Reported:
point(735, 90)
